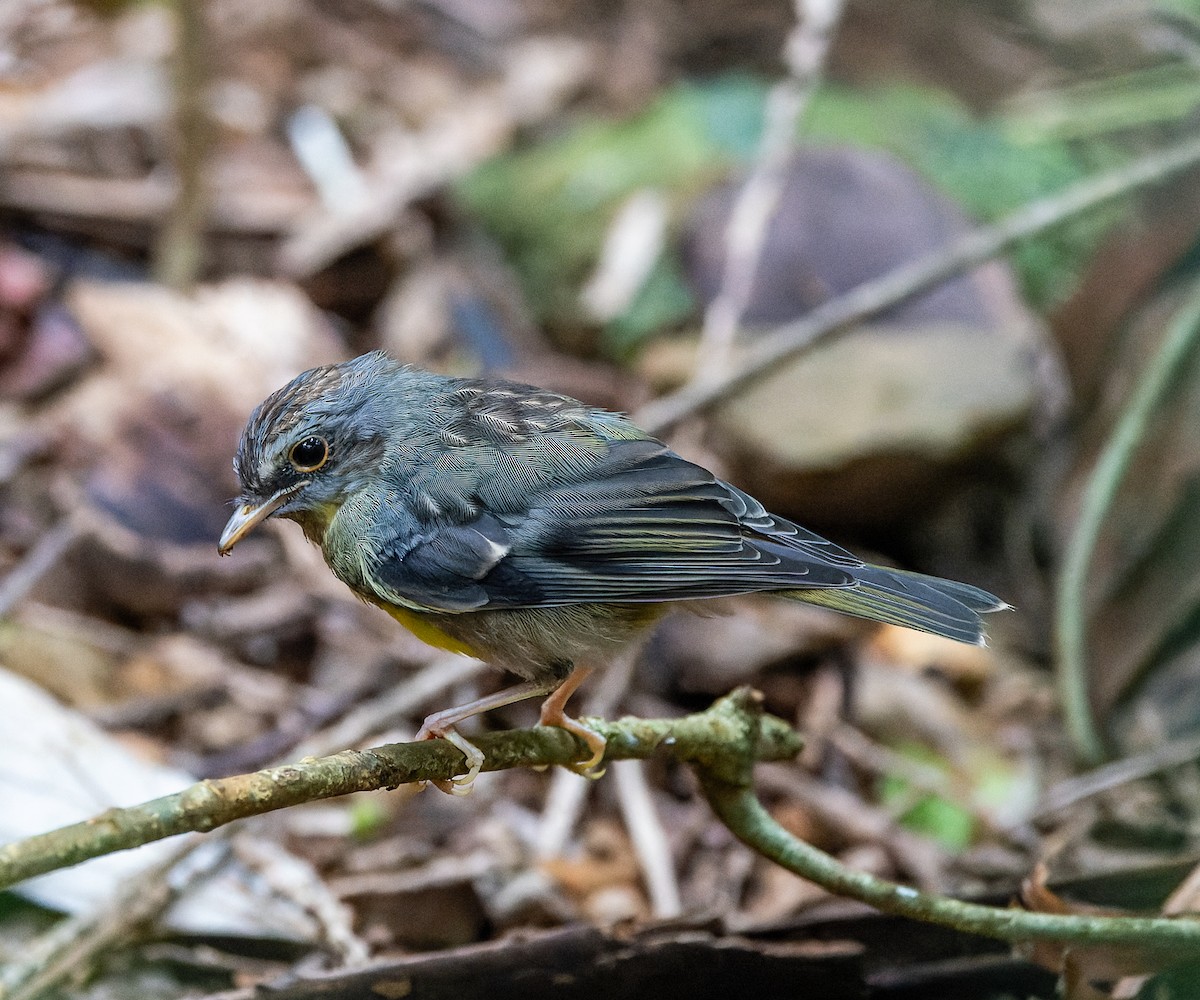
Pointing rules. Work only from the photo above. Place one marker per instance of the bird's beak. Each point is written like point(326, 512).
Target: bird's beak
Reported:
point(248, 516)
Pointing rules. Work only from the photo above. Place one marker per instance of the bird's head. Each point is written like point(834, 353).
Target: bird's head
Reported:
point(310, 445)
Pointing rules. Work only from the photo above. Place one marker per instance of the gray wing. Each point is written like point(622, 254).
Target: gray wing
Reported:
point(640, 525)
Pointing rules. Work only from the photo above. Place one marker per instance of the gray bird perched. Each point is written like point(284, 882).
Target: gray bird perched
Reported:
point(527, 529)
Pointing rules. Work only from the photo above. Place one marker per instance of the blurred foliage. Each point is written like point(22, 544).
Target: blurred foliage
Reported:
point(663, 301)
point(549, 204)
point(985, 782)
point(1153, 96)
point(1145, 619)
point(368, 816)
point(980, 163)
point(933, 816)
point(1182, 8)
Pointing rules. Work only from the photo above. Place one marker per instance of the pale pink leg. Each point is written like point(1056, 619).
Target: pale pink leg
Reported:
point(441, 725)
point(553, 714)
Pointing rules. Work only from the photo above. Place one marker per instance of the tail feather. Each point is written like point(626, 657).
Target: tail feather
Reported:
point(913, 600)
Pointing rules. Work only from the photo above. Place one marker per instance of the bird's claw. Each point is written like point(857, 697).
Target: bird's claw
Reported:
point(460, 784)
point(596, 743)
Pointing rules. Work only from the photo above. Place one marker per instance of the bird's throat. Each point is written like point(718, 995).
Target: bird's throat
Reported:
point(315, 521)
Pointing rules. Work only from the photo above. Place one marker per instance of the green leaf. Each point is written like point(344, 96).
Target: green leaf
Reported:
point(550, 205)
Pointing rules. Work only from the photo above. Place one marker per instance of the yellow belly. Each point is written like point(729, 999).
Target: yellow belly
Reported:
point(427, 631)
point(534, 643)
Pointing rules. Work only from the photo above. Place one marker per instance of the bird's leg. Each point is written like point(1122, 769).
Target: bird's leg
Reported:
point(553, 715)
point(441, 725)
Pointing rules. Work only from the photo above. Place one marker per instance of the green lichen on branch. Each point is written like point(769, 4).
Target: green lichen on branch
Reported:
point(722, 744)
point(709, 737)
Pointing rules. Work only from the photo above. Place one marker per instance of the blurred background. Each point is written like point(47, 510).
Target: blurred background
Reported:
point(622, 202)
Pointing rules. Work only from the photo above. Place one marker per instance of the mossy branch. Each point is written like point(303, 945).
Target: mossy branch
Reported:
point(722, 744)
point(706, 738)
point(730, 794)
point(756, 828)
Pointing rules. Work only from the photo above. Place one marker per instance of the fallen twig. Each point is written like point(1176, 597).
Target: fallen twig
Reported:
point(72, 945)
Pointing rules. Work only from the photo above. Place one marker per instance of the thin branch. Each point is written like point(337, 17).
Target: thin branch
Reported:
point(722, 744)
point(567, 794)
point(368, 719)
point(1098, 495)
point(650, 843)
point(754, 826)
point(36, 563)
point(859, 821)
point(703, 737)
point(729, 792)
point(746, 230)
point(1077, 788)
point(74, 944)
point(839, 315)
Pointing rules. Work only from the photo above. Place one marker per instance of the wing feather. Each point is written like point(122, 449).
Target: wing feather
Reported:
point(517, 509)
point(641, 525)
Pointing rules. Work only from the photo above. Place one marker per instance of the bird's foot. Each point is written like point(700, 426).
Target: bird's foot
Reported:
point(460, 784)
point(553, 715)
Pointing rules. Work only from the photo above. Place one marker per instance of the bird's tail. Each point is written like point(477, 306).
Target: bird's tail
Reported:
point(896, 597)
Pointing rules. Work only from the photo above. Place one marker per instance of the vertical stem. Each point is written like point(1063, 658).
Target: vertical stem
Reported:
point(1098, 495)
point(178, 252)
point(750, 214)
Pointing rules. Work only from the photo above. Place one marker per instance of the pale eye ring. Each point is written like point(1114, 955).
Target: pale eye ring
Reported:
point(309, 455)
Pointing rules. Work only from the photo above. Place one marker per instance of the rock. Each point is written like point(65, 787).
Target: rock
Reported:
point(866, 429)
point(861, 430)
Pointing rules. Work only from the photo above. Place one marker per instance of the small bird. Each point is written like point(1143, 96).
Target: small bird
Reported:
point(527, 529)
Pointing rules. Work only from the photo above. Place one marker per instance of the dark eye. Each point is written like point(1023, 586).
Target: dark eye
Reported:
point(309, 455)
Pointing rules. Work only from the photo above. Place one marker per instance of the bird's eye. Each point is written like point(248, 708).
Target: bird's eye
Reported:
point(309, 455)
